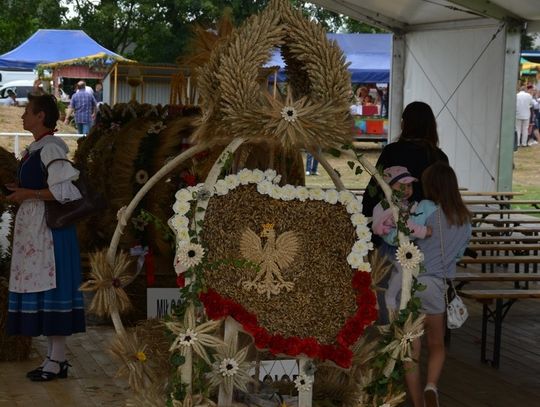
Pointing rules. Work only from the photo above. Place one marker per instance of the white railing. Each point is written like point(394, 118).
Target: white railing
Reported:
point(17, 136)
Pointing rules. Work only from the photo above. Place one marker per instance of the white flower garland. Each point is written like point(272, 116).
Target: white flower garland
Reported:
point(267, 184)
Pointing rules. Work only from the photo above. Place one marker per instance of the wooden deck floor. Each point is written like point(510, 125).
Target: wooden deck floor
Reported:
point(465, 382)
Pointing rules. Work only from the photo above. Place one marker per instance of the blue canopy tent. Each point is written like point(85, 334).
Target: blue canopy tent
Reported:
point(47, 46)
point(369, 55)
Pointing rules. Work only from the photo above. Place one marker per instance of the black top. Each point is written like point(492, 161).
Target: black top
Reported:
point(416, 157)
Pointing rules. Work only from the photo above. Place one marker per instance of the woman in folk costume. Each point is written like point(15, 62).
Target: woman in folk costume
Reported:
point(44, 296)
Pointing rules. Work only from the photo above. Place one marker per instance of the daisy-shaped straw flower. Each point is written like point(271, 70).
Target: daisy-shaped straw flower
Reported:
point(409, 256)
point(190, 336)
point(189, 254)
point(230, 368)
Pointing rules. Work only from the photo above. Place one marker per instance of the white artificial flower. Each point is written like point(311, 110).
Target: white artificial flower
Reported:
point(345, 197)
point(302, 193)
point(409, 256)
point(183, 195)
point(156, 128)
point(354, 206)
point(358, 219)
point(355, 260)
point(303, 382)
point(188, 338)
point(232, 181)
point(179, 268)
point(189, 254)
point(204, 194)
point(363, 232)
point(181, 207)
point(228, 367)
point(362, 247)
point(270, 174)
point(258, 176)
point(221, 187)
point(245, 176)
point(182, 234)
point(364, 267)
point(332, 196)
point(289, 114)
point(317, 194)
point(264, 187)
point(288, 192)
point(275, 191)
point(277, 179)
point(179, 222)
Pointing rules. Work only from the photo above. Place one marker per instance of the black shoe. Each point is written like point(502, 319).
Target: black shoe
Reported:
point(36, 371)
point(45, 376)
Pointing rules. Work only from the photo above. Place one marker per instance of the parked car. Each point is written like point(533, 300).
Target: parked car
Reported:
point(10, 76)
point(21, 88)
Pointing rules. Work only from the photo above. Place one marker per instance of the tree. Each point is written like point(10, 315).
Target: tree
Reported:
point(19, 19)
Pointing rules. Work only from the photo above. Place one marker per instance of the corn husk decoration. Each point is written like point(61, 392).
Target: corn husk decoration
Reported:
point(401, 347)
point(108, 282)
point(190, 336)
point(136, 366)
point(230, 370)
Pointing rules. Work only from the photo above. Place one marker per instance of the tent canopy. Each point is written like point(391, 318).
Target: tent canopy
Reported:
point(47, 46)
point(369, 55)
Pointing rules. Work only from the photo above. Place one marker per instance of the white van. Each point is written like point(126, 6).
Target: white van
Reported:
point(21, 88)
point(10, 76)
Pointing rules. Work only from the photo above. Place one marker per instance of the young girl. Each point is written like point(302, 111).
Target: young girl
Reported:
point(449, 220)
point(400, 180)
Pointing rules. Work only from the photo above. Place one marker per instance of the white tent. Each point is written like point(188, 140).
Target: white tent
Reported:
point(461, 57)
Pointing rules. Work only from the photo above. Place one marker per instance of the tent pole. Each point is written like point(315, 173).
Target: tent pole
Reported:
point(397, 78)
point(115, 83)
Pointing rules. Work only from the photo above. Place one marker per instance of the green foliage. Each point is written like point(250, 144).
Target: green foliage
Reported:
point(19, 19)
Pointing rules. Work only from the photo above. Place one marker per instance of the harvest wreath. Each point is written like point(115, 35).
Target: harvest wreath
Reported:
point(330, 342)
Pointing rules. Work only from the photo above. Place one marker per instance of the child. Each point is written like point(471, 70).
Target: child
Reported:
point(400, 180)
point(449, 219)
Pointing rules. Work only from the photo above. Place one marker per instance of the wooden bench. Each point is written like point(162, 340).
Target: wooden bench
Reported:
point(502, 212)
point(503, 301)
point(502, 204)
point(497, 230)
point(504, 239)
point(500, 195)
point(502, 260)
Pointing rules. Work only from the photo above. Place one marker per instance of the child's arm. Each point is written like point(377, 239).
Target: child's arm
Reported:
point(418, 218)
point(383, 224)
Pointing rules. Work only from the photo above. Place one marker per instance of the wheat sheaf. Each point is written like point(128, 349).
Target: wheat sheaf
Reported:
point(236, 104)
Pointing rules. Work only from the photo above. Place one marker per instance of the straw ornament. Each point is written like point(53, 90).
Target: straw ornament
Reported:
point(230, 368)
point(136, 366)
point(108, 282)
point(189, 335)
point(236, 105)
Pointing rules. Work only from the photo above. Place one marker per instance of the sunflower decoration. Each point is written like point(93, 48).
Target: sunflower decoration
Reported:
point(303, 382)
point(409, 256)
point(136, 366)
point(401, 346)
point(230, 369)
point(190, 336)
point(108, 281)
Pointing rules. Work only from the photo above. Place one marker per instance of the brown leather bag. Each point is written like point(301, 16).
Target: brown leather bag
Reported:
point(60, 215)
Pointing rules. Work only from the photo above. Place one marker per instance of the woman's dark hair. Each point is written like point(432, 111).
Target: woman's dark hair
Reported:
point(46, 104)
point(440, 185)
point(419, 124)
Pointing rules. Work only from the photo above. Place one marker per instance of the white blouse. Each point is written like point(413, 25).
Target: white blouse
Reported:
point(32, 263)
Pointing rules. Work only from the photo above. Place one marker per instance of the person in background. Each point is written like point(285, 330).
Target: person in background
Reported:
point(311, 165)
point(401, 182)
point(11, 100)
point(449, 220)
point(98, 94)
point(83, 105)
point(45, 274)
point(523, 114)
point(416, 149)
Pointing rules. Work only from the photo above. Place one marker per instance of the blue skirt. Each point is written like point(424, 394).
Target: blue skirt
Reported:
point(59, 311)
